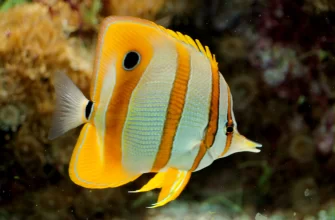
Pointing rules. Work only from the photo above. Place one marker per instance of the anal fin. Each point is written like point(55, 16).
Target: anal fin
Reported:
point(154, 183)
point(172, 182)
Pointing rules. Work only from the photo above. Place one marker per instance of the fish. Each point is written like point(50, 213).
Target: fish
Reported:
point(157, 104)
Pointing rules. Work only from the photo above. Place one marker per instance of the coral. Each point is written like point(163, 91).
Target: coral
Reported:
point(302, 148)
point(9, 86)
point(90, 10)
point(77, 15)
point(319, 6)
point(95, 201)
point(61, 151)
point(277, 112)
point(190, 211)
point(53, 202)
point(4, 6)
point(232, 48)
point(139, 8)
point(305, 195)
point(325, 133)
point(327, 81)
point(218, 16)
point(259, 216)
point(44, 49)
point(179, 10)
point(39, 128)
point(328, 212)
point(29, 152)
point(298, 125)
point(35, 42)
point(26, 68)
point(11, 117)
point(287, 22)
point(244, 90)
point(277, 62)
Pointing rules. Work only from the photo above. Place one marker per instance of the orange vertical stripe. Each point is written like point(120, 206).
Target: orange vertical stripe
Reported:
point(175, 108)
point(118, 41)
point(214, 110)
point(99, 67)
point(229, 123)
point(212, 126)
point(201, 153)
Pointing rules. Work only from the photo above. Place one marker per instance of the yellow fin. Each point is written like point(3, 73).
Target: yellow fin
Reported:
point(173, 184)
point(87, 167)
point(196, 44)
point(154, 183)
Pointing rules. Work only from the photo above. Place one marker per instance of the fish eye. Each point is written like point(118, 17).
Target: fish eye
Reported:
point(131, 60)
point(229, 128)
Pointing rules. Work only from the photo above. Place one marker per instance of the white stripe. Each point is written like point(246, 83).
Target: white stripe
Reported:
point(101, 110)
point(195, 115)
point(220, 139)
point(143, 129)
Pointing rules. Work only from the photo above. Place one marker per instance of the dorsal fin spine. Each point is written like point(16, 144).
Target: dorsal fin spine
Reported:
point(194, 43)
point(191, 41)
point(208, 52)
point(173, 33)
point(201, 48)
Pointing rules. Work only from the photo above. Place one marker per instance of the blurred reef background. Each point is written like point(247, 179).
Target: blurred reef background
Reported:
point(278, 56)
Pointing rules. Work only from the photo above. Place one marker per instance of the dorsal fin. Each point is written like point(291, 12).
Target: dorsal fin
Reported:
point(196, 44)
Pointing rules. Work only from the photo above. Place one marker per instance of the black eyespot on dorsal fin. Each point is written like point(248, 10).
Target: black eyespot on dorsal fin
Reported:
point(194, 43)
point(229, 128)
point(88, 110)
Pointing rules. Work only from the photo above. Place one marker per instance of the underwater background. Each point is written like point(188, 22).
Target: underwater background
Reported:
point(278, 57)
